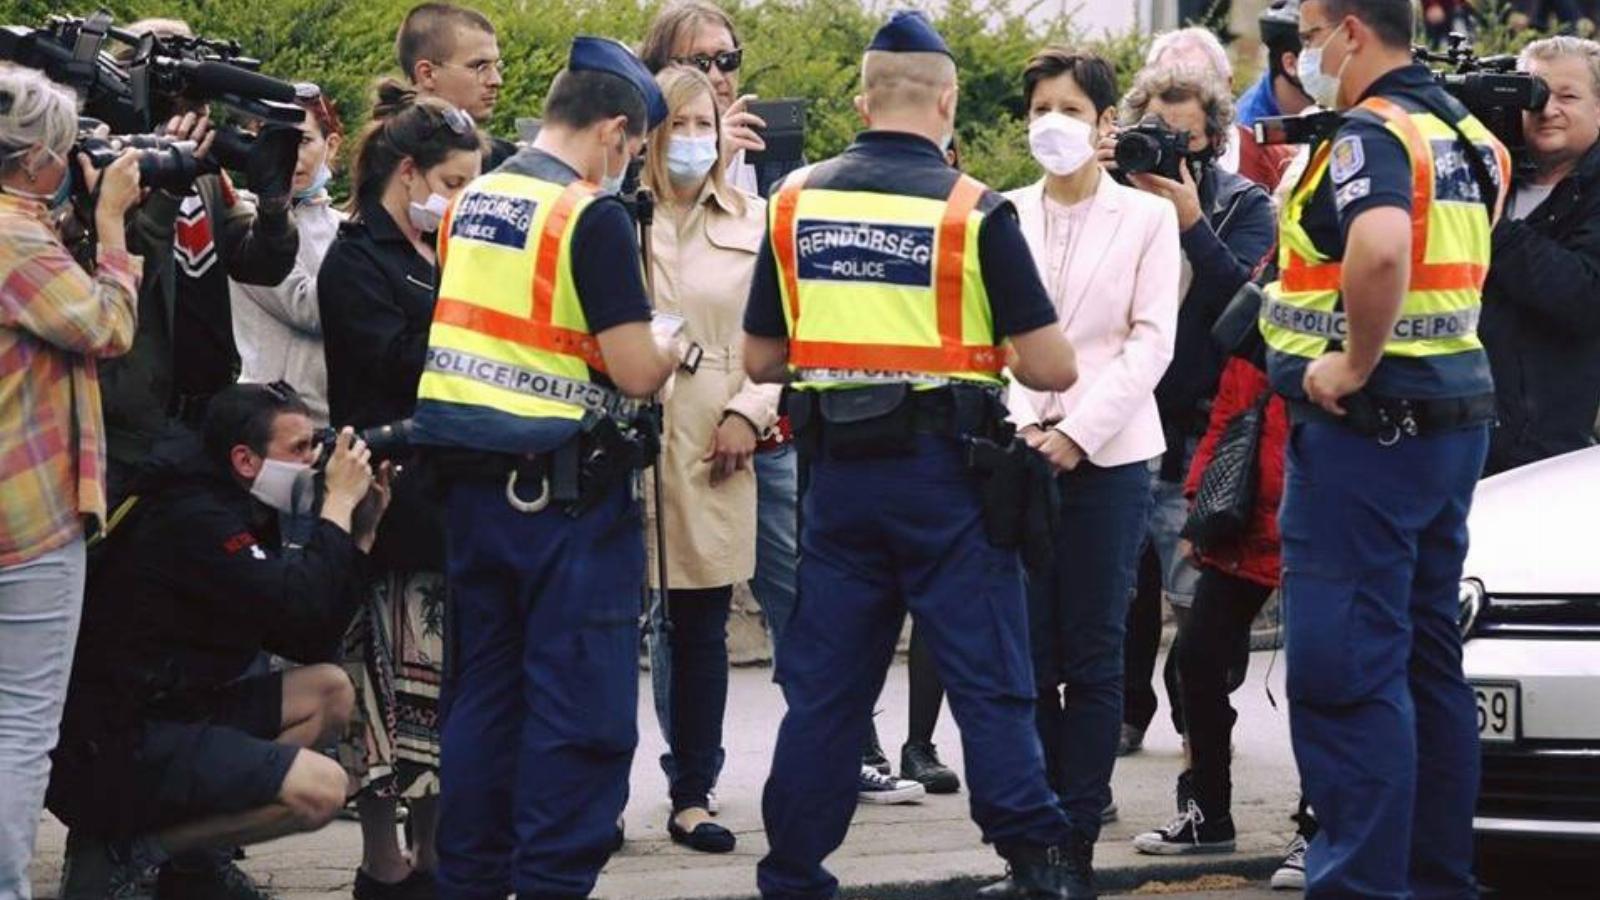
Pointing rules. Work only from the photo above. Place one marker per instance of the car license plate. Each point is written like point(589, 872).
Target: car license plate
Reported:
point(1499, 712)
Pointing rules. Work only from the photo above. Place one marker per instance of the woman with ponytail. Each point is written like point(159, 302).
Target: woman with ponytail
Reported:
point(376, 292)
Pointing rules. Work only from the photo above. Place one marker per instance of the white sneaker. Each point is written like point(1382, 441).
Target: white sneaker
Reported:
point(876, 787)
point(1291, 875)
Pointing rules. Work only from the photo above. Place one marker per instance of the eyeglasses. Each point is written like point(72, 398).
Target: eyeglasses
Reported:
point(481, 69)
point(725, 61)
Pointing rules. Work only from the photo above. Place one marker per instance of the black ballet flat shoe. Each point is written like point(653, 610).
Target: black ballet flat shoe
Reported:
point(707, 837)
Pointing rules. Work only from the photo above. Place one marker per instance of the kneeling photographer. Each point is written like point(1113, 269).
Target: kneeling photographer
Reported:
point(1177, 121)
point(1541, 320)
point(168, 749)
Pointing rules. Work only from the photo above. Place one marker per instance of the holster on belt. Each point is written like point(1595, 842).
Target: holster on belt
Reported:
point(607, 454)
point(1021, 507)
point(883, 420)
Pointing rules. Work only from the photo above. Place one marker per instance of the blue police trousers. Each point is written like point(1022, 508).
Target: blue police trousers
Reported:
point(878, 538)
point(540, 733)
point(1383, 722)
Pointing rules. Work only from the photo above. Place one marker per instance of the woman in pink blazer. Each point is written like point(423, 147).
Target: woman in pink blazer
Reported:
point(1109, 256)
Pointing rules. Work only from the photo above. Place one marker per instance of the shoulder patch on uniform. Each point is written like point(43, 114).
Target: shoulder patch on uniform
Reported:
point(1346, 159)
point(493, 219)
point(1352, 192)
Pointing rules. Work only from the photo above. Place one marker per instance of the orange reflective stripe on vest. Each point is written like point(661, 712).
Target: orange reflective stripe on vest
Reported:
point(537, 330)
point(952, 354)
point(1300, 275)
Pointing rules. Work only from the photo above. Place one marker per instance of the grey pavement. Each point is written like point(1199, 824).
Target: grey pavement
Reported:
point(926, 851)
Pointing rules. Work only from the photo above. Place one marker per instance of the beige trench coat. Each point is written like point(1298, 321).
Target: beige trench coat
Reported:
point(703, 258)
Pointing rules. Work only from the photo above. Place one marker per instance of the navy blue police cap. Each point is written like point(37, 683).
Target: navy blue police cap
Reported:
point(909, 31)
point(597, 54)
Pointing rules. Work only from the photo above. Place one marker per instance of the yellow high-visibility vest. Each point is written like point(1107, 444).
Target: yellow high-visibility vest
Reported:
point(1449, 251)
point(510, 346)
point(883, 287)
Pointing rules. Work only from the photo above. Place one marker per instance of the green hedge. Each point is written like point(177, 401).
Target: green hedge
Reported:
point(797, 48)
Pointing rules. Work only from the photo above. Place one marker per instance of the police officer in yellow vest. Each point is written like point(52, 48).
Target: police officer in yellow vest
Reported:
point(887, 292)
point(540, 337)
point(1371, 330)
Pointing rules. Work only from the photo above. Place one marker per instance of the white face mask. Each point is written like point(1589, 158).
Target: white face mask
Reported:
point(1322, 88)
point(609, 183)
point(285, 486)
point(689, 159)
point(425, 217)
point(1060, 143)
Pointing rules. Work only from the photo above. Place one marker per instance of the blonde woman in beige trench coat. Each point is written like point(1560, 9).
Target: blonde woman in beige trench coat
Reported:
point(704, 241)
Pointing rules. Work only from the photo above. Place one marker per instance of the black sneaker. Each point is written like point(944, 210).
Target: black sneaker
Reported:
point(95, 870)
point(873, 755)
point(1130, 741)
point(1188, 834)
point(1291, 874)
point(920, 763)
point(224, 882)
point(877, 788)
point(1184, 791)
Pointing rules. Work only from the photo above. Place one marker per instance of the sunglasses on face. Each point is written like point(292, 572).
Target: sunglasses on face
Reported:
point(725, 61)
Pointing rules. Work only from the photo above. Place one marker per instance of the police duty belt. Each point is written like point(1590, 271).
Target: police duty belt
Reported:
point(586, 394)
point(1335, 326)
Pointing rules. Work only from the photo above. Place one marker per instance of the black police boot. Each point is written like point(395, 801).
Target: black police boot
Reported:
point(221, 882)
point(920, 762)
point(1045, 873)
point(873, 754)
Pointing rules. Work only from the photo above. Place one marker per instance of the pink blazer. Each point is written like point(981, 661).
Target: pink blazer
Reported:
point(1117, 299)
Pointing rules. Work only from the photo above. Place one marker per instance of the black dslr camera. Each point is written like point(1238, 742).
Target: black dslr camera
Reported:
point(384, 441)
point(1489, 87)
point(1152, 147)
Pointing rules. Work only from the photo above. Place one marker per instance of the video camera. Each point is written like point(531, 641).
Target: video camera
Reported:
point(1152, 147)
point(136, 86)
point(1489, 87)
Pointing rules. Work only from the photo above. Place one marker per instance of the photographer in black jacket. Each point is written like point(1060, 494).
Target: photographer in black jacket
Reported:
point(1541, 303)
point(167, 748)
point(1226, 226)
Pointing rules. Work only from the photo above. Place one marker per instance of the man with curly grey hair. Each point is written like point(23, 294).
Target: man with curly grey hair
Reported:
point(1226, 227)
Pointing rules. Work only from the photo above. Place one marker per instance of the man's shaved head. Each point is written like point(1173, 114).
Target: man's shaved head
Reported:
point(896, 81)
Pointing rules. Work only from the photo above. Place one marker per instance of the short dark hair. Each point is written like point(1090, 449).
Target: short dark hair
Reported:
point(675, 23)
point(580, 99)
point(245, 414)
point(1091, 72)
point(1390, 20)
point(428, 32)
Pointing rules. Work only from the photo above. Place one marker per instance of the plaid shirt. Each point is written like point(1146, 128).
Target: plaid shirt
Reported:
point(55, 320)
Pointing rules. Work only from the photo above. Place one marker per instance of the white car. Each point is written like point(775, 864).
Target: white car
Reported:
point(1530, 612)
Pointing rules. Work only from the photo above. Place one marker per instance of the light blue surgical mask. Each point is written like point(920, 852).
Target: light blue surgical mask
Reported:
point(690, 158)
point(612, 184)
point(1322, 88)
point(318, 182)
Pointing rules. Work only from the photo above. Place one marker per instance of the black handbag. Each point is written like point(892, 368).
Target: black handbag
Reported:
point(1226, 498)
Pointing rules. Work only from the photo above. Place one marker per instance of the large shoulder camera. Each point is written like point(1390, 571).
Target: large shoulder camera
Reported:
point(1490, 87)
point(131, 82)
point(1152, 147)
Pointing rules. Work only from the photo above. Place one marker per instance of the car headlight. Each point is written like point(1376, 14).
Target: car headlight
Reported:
point(1473, 597)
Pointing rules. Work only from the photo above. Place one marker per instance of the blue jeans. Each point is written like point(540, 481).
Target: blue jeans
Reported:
point(1078, 614)
point(883, 537)
point(41, 603)
point(1384, 727)
point(777, 538)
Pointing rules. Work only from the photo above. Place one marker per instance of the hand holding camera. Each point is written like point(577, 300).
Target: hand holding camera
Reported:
point(346, 478)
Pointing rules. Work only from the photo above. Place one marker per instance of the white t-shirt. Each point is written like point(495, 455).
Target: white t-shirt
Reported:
point(1527, 199)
